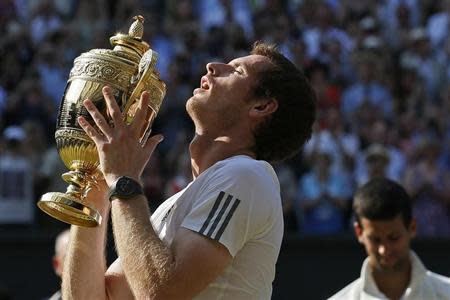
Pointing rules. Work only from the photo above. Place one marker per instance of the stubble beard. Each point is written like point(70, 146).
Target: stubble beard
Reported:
point(223, 117)
point(400, 265)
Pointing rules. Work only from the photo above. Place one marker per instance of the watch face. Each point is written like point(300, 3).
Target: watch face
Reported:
point(123, 186)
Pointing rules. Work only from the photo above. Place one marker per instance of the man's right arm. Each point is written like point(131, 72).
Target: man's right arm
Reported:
point(85, 264)
point(84, 274)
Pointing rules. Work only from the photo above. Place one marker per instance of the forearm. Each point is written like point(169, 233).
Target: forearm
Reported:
point(85, 263)
point(147, 262)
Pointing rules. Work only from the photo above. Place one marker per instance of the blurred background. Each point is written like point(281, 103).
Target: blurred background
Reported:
point(381, 71)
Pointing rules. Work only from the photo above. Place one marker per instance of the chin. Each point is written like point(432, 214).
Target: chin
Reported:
point(394, 266)
point(192, 107)
point(188, 106)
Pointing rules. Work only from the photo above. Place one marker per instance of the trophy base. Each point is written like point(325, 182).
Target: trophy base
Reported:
point(68, 209)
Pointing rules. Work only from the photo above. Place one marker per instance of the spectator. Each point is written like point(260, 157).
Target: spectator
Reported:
point(343, 146)
point(322, 29)
point(366, 90)
point(428, 183)
point(287, 180)
point(390, 9)
point(397, 37)
point(45, 20)
point(49, 173)
point(218, 13)
point(322, 198)
point(420, 55)
point(379, 134)
point(438, 25)
point(52, 73)
point(328, 94)
point(16, 180)
point(377, 161)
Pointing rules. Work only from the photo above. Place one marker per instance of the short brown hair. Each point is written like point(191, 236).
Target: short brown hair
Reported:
point(290, 126)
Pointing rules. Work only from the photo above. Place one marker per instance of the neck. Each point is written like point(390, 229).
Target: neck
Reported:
point(206, 151)
point(394, 283)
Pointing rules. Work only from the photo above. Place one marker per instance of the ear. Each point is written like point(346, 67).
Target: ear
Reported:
point(57, 265)
point(263, 108)
point(358, 231)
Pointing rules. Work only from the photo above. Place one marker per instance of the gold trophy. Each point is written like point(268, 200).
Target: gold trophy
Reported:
point(129, 69)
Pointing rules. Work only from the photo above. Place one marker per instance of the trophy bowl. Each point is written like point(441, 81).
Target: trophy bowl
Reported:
point(129, 69)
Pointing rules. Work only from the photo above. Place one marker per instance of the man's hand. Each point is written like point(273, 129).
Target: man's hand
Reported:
point(119, 148)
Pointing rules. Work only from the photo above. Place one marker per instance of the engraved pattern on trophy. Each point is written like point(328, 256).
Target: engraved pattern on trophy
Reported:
point(88, 66)
point(129, 69)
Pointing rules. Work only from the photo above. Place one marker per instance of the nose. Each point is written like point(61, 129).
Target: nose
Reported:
point(216, 68)
point(383, 250)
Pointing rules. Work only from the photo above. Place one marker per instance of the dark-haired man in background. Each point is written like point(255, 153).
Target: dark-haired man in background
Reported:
point(219, 237)
point(384, 225)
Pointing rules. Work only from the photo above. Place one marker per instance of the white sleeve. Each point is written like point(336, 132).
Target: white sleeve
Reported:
point(235, 205)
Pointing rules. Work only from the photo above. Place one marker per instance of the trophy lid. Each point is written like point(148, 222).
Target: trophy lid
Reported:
point(132, 40)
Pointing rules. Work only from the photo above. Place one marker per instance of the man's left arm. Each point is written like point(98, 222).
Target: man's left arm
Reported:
point(155, 270)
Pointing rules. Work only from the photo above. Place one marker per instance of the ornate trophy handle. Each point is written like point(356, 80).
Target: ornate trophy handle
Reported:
point(145, 71)
point(146, 68)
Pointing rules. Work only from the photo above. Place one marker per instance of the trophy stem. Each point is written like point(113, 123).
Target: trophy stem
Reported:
point(71, 207)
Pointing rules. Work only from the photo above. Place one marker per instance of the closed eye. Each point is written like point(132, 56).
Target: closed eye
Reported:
point(239, 70)
point(237, 67)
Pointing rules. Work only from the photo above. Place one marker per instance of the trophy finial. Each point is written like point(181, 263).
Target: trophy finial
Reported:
point(133, 40)
point(137, 28)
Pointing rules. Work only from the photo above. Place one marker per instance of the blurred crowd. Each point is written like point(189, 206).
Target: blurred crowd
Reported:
point(380, 68)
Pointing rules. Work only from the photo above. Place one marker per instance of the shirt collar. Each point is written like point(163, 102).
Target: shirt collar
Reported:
point(418, 273)
point(370, 289)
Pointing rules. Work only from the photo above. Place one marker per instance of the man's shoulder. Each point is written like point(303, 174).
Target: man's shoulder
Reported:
point(440, 283)
point(245, 170)
point(348, 292)
point(242, 162)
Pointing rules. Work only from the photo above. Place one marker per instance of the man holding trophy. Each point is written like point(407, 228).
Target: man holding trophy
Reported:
point(220, 236)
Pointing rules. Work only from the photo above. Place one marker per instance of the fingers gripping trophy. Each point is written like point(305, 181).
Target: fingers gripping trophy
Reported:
point(129, 69)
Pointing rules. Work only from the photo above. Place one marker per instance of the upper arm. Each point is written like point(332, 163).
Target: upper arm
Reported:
point(199, 260)
point(116, 284)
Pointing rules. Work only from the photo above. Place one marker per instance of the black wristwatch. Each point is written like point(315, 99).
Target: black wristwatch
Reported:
point(125, 188)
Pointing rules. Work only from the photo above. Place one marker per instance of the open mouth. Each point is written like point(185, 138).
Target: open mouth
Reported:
point(204, 86)
point(204, 83)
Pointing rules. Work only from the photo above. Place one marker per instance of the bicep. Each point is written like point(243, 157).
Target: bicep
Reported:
point(116, 284)
point(199, 260)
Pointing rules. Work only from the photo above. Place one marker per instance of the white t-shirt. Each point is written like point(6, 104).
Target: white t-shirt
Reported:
point(424, 285)
point(236, 202)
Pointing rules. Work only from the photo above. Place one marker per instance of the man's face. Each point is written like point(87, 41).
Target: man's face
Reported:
point(226, 91)
point(387, 242)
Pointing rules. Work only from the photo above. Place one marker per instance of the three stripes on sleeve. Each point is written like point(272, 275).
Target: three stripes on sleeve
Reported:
point(219, 216)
